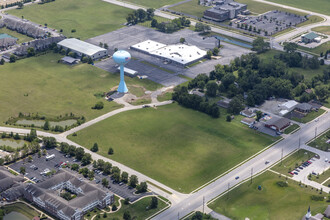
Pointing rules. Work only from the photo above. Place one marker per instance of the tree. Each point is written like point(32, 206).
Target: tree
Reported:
point(154, 202)
point(228, 118)
point(49, 142)
point(107, 168)
point(124, 177)
point(182, 40)
point(12, 59)
point(2, 61)
point(150, 13)
point(87, 158)
point(105, 182)
point(290, 47)
point(127, 215)
point(75, 167)
point(98, 105)
point(211, 89)
point(143, 187)
point(91, 174)
point(31, 52)
point(114, 207)
point(216, 51)
point(259, 45)
point(80, 152)
point(95, 147)
point(322, 92)
point(22, 170)
point(154, 23)
point(141, 15)
point(46, 125)
point(209, 54)
point(236, 105)
point(110, 151)
point(20, 5)
point(106, 46)
point(259, 115)
point(133, 181)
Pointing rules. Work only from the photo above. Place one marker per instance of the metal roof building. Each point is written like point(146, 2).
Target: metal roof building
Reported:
point(83, 48)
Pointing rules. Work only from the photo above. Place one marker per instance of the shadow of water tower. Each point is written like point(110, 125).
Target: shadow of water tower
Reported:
point(122, 57)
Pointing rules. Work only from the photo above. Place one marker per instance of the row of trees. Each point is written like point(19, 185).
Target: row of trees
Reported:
point(171, 26)
point(140, 15)
point(196, 102)
point(78, 153)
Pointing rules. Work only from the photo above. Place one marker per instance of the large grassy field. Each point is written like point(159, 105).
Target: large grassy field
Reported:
point(293, 161)
point(42, 85)
point(320, 6)
point(192, 8)
point(179, 147)
point(317, 50)
point(321, 142)
point(21, 37)
point(270, 203)
point(322, 29)
point(259, 8)
point(89, 18)
point(153, 3)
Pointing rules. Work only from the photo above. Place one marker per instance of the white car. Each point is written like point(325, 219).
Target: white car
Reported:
point(326, 160)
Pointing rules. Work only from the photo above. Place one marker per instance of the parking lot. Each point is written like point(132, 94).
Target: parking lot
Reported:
point(123, 39)
point(39, 165)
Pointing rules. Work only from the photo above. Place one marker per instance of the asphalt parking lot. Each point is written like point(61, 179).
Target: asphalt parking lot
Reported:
point(123, 39)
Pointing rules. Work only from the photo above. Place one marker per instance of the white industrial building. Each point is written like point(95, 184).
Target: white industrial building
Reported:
point(179, 54)
point(83, 48)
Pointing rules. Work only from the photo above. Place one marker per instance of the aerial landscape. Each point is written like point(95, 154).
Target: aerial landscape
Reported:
point(164, 109)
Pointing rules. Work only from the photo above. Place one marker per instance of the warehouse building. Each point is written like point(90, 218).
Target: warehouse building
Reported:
point(82, 48)
point(226, 9)
point(179, 54)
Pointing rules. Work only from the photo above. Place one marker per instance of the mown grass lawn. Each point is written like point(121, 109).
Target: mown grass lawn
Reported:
point(291, 128)
point(271, 203)
point(322, 29)
point(293, 161)
point(320, 6)
point(89, 18)
point(191, 8)
point(321, 142)
point(41, 84)
point(153, 3)
point(310, 116)
point(179, 147)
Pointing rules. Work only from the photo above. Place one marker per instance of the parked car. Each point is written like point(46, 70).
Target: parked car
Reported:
point(236, 178)
point(295, 173)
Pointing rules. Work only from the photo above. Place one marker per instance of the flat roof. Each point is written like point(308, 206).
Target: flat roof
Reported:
point(80, 46)
point(148, 45)
point(310, 35)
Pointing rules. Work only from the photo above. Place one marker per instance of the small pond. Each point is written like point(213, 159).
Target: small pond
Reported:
point(15, 216)
point(40, 123)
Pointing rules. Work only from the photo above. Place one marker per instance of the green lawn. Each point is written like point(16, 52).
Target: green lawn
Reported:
point(310, 116)
point(165, 97)
point(179, 147)
point(320, 6)
point(21, 37)
point(283, 32)
point(311, 20)
point(153, 3)
point(270, 203)
point(317, 50)
point(320, 142)
point(90, 18)
point(191, 8)
point(322, 29)
point(259, 8)
point(293, 161)
point(291, 128)
point(40, 84)
point(138, 209)
point(21, 208)
point(321, 177)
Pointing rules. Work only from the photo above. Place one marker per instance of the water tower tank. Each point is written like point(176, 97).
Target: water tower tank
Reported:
point(121, 57)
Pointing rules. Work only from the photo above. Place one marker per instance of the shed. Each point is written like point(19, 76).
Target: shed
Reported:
point(70, 60)
point(248, 113)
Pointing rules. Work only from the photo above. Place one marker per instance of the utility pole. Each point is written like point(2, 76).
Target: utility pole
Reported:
point(315, 132)
point(251, 173)
point(281, 156)
point(203, 203)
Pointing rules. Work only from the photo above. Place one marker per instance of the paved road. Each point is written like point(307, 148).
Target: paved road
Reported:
point(171, 17)
point(194, 201)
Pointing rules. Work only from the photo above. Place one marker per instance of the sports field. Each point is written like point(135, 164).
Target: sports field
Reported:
point(153, 3)
point(89, 18)
point(272, 202)
point(320, 6)
point(40, 84)
point(179, 147)
point(191, 8)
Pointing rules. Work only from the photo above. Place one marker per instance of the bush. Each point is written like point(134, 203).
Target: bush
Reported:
point(114, 207)
point(282, 184)
point(317, 198)
point(98, 106)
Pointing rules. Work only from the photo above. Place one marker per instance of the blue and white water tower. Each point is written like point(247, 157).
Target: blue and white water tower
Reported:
point(122, 57)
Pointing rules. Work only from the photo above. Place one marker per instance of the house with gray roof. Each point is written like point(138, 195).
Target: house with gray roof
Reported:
point(46, 195)
point(304, 107)
point(10, 185)
point(278, 124)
